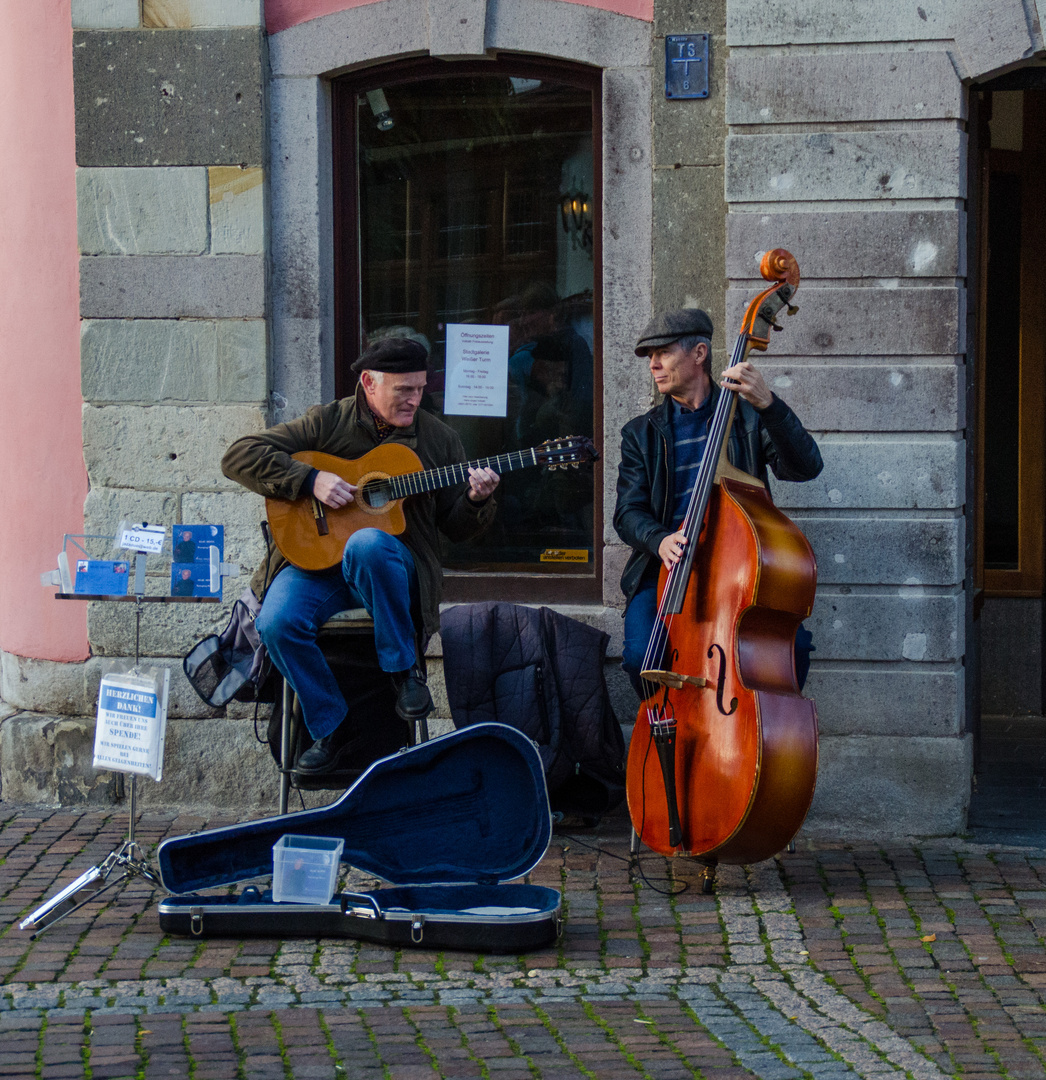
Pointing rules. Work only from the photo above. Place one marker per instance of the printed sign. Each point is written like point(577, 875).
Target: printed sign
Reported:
point(142, 538)
point(132, 721)
point(477, 370)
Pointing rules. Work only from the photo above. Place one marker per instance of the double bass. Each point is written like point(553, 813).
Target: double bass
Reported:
point(723, 757)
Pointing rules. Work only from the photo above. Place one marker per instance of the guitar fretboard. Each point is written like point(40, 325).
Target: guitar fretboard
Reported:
point(417, 483)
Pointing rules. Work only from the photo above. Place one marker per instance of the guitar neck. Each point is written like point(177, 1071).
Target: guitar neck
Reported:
point(417, 483)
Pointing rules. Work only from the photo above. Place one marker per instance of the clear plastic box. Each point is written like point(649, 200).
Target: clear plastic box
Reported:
point(305, 869)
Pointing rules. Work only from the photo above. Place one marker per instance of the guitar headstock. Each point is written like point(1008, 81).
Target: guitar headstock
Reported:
point(569, 451)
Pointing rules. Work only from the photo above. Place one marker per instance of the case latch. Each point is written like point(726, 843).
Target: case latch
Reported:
point(417, 929)
point(196, 921)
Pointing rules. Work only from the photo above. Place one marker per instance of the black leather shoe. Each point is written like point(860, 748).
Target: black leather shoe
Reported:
point(326, 754)
point(413, 700)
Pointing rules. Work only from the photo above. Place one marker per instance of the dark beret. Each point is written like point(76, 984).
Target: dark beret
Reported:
point(671, 326)
point(397, 355)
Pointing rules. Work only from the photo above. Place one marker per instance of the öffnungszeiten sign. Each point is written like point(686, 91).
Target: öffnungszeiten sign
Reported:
point(477, 370)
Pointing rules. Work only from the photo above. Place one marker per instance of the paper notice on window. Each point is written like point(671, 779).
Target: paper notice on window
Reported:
point(477, 370)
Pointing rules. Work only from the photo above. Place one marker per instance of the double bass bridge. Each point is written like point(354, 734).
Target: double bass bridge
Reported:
point(674, 680)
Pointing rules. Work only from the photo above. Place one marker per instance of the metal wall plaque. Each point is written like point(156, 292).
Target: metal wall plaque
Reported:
point(686, 66)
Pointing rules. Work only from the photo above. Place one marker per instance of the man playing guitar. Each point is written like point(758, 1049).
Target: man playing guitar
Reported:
point(398, 579)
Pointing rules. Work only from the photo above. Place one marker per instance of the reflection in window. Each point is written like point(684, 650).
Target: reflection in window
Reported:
point(475, 206)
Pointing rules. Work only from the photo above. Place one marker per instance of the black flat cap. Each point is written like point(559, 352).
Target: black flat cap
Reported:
point(671, 326)
point(393, 354)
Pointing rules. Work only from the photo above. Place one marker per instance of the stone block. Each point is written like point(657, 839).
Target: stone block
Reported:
point(907, 623)
point(881, 699)
point(47, 760)
point(1011, 655)
point(615, 555)
point(457, 27)
point(241, 513)
point(105, 14)
point(302, 369)
point(842, 86)
point(890, 320)
point(45, 686)
point(169, 97)
point(141, 211)
point(163, 448)
point(919, 164)
point(627, 228)
point(354, 36)
point(173, 360)
point(237, 210)
point(105, 508)
point(242, 355)
point(167, 629)
point(890, 786)
point(869, 472)
point(879, 550)
point(690, 131)
point(149, 360)
point(991, 36)
point(571, 31)
point(852, 244)
point(749, 22)
point(185, 14)
point(879, 397)
point(215, 763)
point(299, 121)
point(689, 216)
point(172, 287)
point(182, 700)
point(689, 17)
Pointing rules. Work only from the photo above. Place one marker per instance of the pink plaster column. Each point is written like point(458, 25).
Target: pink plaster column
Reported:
point(43, 481)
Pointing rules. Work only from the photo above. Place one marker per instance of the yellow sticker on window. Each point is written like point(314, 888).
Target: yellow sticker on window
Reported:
point(565, 555)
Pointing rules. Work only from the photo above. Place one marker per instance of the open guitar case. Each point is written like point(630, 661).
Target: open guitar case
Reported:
point(448, 824)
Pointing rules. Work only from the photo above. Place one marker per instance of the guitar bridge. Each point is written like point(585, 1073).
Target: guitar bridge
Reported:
point(320, 514)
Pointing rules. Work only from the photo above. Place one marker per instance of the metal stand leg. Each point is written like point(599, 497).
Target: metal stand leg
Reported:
point(286, 742)
point(120, 865)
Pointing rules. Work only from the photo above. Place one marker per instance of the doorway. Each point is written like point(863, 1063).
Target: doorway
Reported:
point(1008, 141)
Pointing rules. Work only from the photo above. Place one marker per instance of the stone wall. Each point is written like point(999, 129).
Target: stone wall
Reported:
point(847, 146)
point(172, 230)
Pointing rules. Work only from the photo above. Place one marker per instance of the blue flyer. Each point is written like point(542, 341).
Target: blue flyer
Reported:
point(102, 577)
point(198, 553)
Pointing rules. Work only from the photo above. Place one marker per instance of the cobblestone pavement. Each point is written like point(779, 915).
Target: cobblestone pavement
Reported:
point(907, 959)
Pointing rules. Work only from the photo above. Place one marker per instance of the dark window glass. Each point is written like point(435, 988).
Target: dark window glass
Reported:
point(476, 205)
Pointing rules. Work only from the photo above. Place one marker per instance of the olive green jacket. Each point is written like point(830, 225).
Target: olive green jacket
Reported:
point(346, 429)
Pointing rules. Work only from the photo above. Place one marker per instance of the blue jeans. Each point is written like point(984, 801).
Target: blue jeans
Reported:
point(377, 573)
point(639, 624)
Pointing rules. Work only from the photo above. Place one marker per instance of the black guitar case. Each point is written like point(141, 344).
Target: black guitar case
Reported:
point(448, 824)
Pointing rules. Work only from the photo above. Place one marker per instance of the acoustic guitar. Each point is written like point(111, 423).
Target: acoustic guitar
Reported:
point(312, 536)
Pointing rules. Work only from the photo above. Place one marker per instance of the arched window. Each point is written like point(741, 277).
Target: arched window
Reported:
point(466, 200)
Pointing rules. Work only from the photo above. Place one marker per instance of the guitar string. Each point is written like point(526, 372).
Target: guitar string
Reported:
point(678, 576)
point(417, 483)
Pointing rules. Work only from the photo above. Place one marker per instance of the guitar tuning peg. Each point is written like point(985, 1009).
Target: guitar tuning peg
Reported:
point(792, 309)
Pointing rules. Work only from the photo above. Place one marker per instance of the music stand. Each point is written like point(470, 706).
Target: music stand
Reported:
point(127, 861)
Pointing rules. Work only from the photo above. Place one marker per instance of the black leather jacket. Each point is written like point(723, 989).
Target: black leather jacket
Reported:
point(645, 494)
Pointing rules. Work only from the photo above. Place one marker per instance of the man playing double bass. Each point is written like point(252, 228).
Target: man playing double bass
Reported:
point(662, 450)
point(398, 579)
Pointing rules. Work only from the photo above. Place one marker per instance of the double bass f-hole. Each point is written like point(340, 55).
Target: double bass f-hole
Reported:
point(721, 680)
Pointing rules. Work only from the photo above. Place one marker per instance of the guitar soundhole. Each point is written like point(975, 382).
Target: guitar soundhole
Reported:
point(375, 494)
